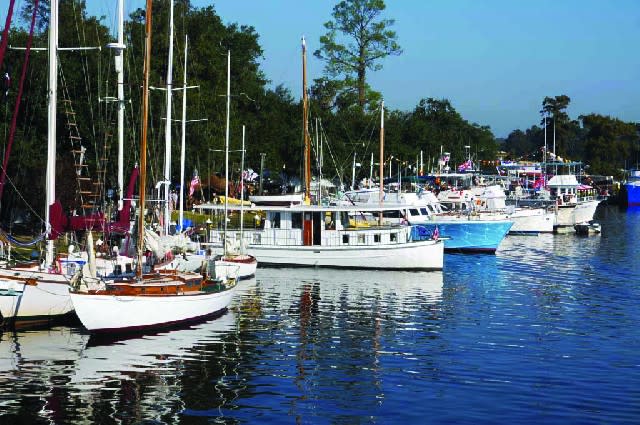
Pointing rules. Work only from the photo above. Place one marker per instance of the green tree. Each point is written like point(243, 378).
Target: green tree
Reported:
point(519, 144)
point(609, 143)
point(435, 123)
point(356, 41)
point(558, 120)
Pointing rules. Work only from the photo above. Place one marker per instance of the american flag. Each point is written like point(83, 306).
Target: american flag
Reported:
point(465, 165)
point(195, 182)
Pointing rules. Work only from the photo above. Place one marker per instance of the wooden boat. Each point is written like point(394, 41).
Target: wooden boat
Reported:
point(157, 300)
point(150, 300)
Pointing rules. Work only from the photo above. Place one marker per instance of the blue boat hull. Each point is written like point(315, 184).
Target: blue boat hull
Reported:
point(633, 194)
point(470, 236)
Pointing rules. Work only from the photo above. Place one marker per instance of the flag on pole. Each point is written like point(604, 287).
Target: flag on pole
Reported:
point(465, 165)
point(195, 183)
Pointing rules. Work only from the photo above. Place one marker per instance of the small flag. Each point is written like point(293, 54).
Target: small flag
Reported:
point(465, 165)
point(436, 233)
point(195, 182)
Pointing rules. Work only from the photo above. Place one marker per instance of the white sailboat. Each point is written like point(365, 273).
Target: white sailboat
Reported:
point(234, 260)
point(156, 299)
point(29, 295)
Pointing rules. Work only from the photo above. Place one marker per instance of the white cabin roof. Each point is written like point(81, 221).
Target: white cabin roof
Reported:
point(563, 180)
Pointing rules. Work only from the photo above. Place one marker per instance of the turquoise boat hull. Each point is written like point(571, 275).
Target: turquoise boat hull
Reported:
point(470, 235)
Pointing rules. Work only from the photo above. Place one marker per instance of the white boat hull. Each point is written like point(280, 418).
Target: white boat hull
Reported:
point(105, 313)
point(244, 268)
point(45, 298)
point(580, 213)
point(532, 221)
point(425, 255)
point(282, 200)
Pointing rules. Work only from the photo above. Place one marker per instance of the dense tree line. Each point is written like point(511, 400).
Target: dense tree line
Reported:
point(346, 119)
point(608, 145)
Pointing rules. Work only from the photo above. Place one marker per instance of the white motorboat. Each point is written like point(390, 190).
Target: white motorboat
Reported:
point(331, 236)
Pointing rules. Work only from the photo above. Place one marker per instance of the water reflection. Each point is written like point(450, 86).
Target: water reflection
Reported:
point(325, 336)
point(548, 326)
point(36, 366)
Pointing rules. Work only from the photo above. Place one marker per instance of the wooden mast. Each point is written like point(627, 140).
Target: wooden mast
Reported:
point(143, 138)
point(305, 127)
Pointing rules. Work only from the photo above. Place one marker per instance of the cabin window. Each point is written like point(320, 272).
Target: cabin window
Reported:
point(391, 214)
point(256, 239)
point(345, 239)
point(361, 239)
point(296, 221)
point(344, 218)
point(376, 238)
point(393, 237)
point(414, 211)
point(276, 220)
point(329, 221)
point(424, 211)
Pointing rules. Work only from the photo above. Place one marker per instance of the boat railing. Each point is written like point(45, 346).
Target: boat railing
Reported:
point(352, 236)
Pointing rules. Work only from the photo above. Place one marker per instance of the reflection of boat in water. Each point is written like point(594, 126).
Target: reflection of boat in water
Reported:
point(34, 364)
point(148, 372)
point(122, 359)
point(395, 288)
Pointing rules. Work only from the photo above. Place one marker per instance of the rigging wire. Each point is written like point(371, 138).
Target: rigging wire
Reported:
point(23, 199)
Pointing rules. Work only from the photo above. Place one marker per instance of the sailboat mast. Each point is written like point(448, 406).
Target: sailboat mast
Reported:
point(167, 130)
point(143, 137)
point(184, 133)
point(226, 150)
point(242, 189)
point(120, 76)
point(305, 127)
point(51, 134)
point(381, 159)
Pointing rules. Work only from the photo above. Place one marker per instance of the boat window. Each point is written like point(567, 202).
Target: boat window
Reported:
point(296, 220)
point(329, 221)
point(276, 220)
point(424, 211)
point(393, 237)
point(414, 211)
point(361, 239)
point(376, 238)
point(344, 218)
point(391, 214)
point(345, 239)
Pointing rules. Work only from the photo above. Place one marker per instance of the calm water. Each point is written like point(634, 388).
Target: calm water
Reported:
point(545, 331)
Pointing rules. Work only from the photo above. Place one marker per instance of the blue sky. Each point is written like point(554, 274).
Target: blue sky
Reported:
point(495, 60)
